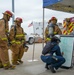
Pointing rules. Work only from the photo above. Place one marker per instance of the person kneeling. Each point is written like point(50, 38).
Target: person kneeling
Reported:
point(48, 57)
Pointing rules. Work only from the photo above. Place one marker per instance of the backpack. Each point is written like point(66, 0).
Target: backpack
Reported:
point(48, 48)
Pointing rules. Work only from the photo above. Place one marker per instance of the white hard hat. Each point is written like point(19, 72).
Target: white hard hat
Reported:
point(58, 36)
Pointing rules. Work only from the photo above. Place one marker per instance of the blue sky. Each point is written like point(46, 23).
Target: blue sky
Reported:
point(31, 10)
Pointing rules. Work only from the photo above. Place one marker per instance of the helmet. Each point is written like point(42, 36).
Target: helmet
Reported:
point(53, 18)
point(9, 13)
point(18, 19)
point(58, 36)
point(55, 38)
point(67, 19)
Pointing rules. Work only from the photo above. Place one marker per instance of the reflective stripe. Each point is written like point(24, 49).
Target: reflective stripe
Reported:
point(65, 32)
point(13, 41)
point(5, 65)
point(23, 40)
point(20, 35)
point(18, 42)
point(6, 30)
point(55, 32)
point(4, 39)
point(48, 39)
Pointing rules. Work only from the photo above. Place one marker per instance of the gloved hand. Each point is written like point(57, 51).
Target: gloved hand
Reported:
point(62, 53)
point(26, 48)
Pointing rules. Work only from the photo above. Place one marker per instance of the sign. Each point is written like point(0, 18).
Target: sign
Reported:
point(66, 46)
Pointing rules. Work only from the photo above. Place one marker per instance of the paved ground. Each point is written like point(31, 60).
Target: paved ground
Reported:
point(34, 67)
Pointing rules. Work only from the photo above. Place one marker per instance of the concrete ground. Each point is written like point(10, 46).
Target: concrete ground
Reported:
point(35, 67)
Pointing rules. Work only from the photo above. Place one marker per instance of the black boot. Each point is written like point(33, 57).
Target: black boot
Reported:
point(52, 69)
point(47, 66)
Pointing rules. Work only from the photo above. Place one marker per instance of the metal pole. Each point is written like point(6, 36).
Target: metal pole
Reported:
point(43, 27)
point(33, 49)
point(33, 44)
point(13, 11)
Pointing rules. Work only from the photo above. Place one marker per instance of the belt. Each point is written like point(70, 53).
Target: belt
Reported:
point(45, 54)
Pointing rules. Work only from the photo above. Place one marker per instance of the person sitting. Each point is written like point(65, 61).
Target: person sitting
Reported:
point(48, 57)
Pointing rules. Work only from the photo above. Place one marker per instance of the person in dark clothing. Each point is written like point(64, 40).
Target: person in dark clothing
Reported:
point(55, 61)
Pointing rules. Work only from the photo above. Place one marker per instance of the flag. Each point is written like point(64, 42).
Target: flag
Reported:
point(50, 2)
point(31, 24)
